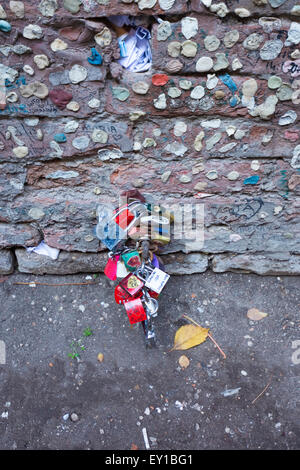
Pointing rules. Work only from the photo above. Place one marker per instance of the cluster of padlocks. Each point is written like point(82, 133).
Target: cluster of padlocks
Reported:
point(133, 233)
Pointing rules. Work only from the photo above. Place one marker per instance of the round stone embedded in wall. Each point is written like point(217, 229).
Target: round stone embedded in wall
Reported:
point(140, 87)
point(231, 38)
point(28, 69)
point(94, 103)
point(81, 142)
point(189, 48)
point(271, 49)
point(180, 128)
point(174, 92)
point(212, 175)
point(166, 4)
point(146, 4)
point(33, 31)
point(236, 64)
point(222, 62)
point(73, 6)
point(103, 38)
point(71, 126)
point(274, 82)
point(77, 74)
point(204, 64)
point(73, 106)
point(164, 31)
point(58, 45)
point(197, 93)
point(233, 175)
point(253, 41)
point(174, 48)
point(41, 61)
point(211, 43)
point(269, 24)
point(189, 27)
point(36, 213)
point(212, 81)
point(174, 66)
point(12, 97)
point(288, 118)
point(18, 8)
point(121, 93)
point(242, 12)
point(20, 151)
point(285, 92)
point(48, 7)
point(185, 84)
point(160, 102)
point(100, 136)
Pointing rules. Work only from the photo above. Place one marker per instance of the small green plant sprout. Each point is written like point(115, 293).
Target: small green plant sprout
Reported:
point(87, 332)
point(77, 346)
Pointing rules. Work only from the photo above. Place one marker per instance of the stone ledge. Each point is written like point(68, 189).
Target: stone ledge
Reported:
point(66, 263)
point(6, 262)
point(77, 262)
point(274, 264)
point(180, 263)
point(175, 263)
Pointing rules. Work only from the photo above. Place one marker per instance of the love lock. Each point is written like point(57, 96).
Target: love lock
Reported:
point(151, 304)
point(154, 278)
point(135, 311)
point(113, 227)
point(140, 272)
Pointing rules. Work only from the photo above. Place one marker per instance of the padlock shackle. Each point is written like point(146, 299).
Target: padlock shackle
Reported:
point(127, 207)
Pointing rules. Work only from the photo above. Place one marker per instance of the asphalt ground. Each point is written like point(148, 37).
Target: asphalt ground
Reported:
point(51, 400)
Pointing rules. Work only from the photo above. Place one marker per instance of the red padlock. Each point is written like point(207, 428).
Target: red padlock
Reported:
point(121, 296)
point(135, 311)
point(111, 267)
point(132, 285)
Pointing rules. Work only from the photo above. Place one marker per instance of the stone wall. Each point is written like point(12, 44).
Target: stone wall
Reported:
point(222, 130)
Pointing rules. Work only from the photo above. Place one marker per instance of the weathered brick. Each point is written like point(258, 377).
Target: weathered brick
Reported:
point(276, 264)
point(255, 7)
point(229, 104)
point(66, 263)
point(6, 262)
point(250, 55)
point(94, 8)
point(18, 235)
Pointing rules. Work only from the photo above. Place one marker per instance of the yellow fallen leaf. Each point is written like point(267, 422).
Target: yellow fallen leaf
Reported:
point(188, 336)
point(184, 361)
point(255, 314)
point(100, 357)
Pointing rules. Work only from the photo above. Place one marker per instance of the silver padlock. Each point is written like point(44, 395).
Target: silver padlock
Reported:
point(143, 272)
point(151, 304)
point(154, 278)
